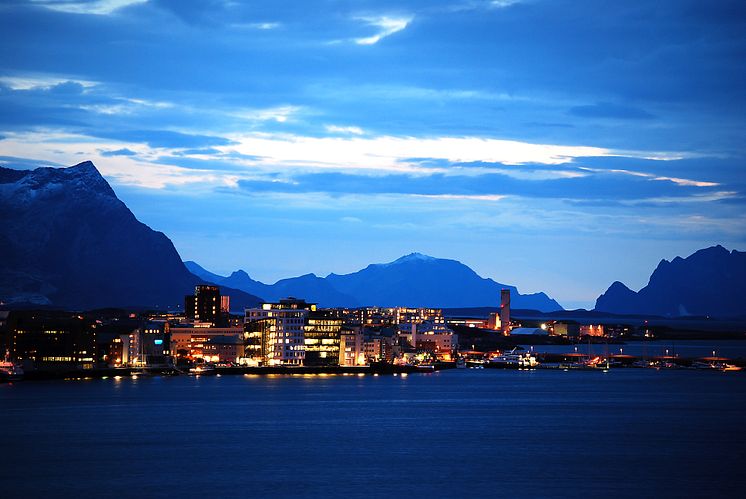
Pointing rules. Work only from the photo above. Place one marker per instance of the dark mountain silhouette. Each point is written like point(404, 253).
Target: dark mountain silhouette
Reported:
point(708, 282)
point(413, 280)
point(312, 288)
point(68, 241)
point(421, 280)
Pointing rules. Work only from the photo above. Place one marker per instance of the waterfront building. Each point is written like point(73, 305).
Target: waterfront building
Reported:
point(351, 347)
point(374, 349)
point(194, 342)
point(321, 338)
point(430, 337)
point(280, 328)
point(148, 345)
point(52, 340)
point(222, 348)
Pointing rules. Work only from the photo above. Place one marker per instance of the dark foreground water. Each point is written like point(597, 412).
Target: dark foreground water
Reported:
point(460, 433)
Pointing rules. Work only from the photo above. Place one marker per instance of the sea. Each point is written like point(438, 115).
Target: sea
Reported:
point(455, 433)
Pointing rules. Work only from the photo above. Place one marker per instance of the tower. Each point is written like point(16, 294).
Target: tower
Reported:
point(505, 311)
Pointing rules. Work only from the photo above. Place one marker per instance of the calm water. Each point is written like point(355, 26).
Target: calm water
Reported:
point(463, 433)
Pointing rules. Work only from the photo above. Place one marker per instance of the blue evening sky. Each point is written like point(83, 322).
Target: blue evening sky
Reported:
point(555, 145)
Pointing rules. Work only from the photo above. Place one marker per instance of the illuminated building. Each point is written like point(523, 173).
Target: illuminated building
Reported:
point(52, 339)
point(222, 349)
point(321, 338)
point(494, 322)
point(205, 305)
point(149, 345)
point(225, 304)
point(406, 315)
point(280, 328)
point(377, 349)
point(592, 330)
point(351, 348)
point(193, 343)
point(430, 337)
point(505, 311)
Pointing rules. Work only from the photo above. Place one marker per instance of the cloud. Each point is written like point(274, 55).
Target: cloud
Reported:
point(118, 152)
point(386, 25)
point(43, 82)
point(279, 114)
point(389, 153)
point(344, 130)
point(501, 4)
point(98, 7)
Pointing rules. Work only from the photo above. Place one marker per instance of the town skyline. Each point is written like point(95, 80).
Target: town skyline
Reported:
point(288, 139)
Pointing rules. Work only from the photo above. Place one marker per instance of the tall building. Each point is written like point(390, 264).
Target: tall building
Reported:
point(205, 305)
point(505, 311)
point(280, 331)
point(351, 348)
point(322, 338)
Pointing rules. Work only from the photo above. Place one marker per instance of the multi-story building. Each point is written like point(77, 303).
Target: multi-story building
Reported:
point(228, 349)
point(52, 339)
point(321, 338)
point(378, 349)
point(351, 347)
point(430, 337)
point(279, 328)
point(149, 345)
point(406, 315)
point(204, 305)
point(193, 343)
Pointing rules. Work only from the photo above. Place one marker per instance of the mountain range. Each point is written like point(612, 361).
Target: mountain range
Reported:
point(68, 241)
point(708, 282)
point(414, 280)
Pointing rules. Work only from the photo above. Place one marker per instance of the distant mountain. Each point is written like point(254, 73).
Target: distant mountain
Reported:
point(421, 280)
point(413, 280)
point(68, 241)
point(708, 282)
point(310, 287)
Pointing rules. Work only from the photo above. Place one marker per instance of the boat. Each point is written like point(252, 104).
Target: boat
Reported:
point(731, 367)
point(202, 369)
point(10, 371)
point(514, 359)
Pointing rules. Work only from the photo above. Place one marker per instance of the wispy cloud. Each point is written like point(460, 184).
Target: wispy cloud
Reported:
point(41, 82)
point(462, 197)
point(98, 7)
point(264, 26)
point(279, 114)
point(386, 25)
point(346, 130)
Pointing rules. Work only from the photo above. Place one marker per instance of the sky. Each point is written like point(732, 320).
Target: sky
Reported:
point(550, 144)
